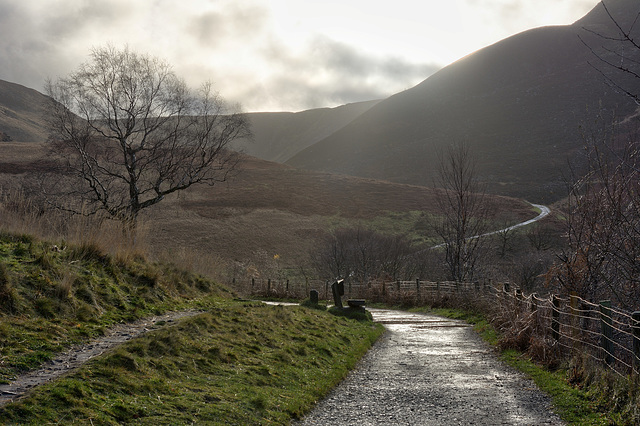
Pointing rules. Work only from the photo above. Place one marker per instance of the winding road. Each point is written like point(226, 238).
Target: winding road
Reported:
point(544, 212)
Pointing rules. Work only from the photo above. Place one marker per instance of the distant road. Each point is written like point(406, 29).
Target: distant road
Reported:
point(544, 212)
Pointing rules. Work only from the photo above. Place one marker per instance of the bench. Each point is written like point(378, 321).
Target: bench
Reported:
point(337, 288)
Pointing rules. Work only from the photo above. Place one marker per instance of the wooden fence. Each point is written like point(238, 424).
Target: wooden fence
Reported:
point(569, 325)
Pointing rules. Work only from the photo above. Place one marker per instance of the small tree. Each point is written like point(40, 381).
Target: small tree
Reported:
point(128, 132)
point(463, 212)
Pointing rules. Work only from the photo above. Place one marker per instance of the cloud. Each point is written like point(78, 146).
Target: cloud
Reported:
point(329, 73)
point(231, 21)
point(265, 54)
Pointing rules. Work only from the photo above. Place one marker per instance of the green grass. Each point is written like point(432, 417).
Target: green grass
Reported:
point(575, 406)
point(51, 300)
point(239, 362)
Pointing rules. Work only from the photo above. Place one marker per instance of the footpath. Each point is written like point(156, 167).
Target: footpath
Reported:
point(428, 370)
point(80, 354)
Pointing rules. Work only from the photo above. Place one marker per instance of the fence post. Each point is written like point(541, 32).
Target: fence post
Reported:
point(253, 283)
point(418, 286)
point(534, 304)
point(555, 321)
point(607, 330)
point(636, 340)
point(574, 322)
point(519, 297)
point(398, 285)
point(287, 286)
point(269, 286)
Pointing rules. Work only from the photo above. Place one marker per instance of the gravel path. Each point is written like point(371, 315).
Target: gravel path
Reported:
point(427, 370)
point(80, 354)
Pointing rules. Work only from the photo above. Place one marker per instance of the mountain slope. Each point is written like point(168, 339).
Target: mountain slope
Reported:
point(280, 135)
point(21, 113)
point(518, 104)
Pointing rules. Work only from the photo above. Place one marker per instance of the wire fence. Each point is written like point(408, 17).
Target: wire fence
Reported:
point(566, 325)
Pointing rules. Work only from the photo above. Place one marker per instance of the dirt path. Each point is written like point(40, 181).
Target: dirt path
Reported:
point(78, 355)
point(427, 370)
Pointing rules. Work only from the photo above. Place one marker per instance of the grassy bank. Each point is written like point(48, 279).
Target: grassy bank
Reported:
point(238, 362)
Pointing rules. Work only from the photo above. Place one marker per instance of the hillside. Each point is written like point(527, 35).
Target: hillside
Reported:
point(280, 135)
point(21, 113)
point(519, 104)
point(270, 208)
point(277, 135)
point(274, 209)
point(196, 352)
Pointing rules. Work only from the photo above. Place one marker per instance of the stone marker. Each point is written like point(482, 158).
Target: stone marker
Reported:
point(314, 296)
point(337, 288)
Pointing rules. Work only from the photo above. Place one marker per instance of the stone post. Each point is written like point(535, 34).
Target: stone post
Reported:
point(314, 296)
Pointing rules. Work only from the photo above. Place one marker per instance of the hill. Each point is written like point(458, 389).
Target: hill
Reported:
point(270, 208)
point(518, 104)
point(187, 350)
point(277, 135)
point(21, 113)
point(280, 135)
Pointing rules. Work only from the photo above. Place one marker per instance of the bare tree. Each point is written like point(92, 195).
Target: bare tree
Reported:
point(364, 255)
point(463, 212)
point(128, 132)
point(603, 225)
point(603, 221)
point(616, 49)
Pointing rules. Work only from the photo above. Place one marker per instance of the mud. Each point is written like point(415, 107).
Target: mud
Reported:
point(427, 370)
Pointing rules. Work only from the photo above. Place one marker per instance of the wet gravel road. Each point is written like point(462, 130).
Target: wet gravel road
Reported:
point(427, 370)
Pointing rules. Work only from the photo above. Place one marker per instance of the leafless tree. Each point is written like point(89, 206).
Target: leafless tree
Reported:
point(364, 255)
point(603, 225)
point(128, 132)
point(616, 50)
point(603, 221)
point(463, 209)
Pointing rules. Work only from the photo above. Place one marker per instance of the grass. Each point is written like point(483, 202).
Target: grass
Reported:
point(575, 406)
point(52, 299)
point(239, 362)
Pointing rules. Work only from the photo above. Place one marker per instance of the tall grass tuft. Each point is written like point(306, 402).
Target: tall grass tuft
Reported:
point(8, 295)
point(95, 233)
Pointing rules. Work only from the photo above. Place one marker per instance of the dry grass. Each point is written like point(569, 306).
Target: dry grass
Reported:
point(267, 208)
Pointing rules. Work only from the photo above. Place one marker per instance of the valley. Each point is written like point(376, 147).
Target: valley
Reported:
point(506, 180)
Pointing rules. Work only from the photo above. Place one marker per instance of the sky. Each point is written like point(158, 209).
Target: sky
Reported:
point(270, 55)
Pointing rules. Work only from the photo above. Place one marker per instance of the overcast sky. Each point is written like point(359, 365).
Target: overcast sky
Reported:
point(271, 55)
